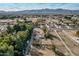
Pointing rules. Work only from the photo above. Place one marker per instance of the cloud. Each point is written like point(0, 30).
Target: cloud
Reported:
point(24, 6)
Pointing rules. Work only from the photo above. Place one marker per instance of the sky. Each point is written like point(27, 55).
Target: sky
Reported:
point(30, 6)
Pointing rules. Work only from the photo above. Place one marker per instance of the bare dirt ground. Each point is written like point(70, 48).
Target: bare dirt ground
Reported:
point(60, 48)
point(72, 33)
point(70, 43)
point(42, 52)
point(59, 45)
point(47, 52)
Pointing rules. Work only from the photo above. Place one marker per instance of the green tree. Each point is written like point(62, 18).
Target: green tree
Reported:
point(17, 27)
point(10, 29)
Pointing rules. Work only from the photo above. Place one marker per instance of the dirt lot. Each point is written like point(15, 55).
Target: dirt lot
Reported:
point(70, 43)
point(72, 32)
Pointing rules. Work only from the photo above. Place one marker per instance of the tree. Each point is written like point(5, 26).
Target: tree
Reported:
point(29, 26)
point(48, 35)
point(77, 33)
point(12, 39)
point(67, 17)
point(15, 41)
point(10, 29)
point(45, 30)
point(17, 27)
point(10, 51)
point(23, 27)
point(3, 46)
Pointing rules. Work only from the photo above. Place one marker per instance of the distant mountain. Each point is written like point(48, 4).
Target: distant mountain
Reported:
point(42, 11)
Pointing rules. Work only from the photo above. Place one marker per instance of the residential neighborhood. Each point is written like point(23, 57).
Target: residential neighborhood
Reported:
point(39, 32)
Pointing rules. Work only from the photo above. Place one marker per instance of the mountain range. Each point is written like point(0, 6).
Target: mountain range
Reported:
point(41, 11)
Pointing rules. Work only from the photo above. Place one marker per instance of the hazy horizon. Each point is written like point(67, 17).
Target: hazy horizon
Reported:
point(32, 6)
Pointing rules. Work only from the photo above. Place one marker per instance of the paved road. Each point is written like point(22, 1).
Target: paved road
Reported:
point(29, 45)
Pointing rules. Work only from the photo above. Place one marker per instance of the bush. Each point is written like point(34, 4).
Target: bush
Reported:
point(77, 33)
